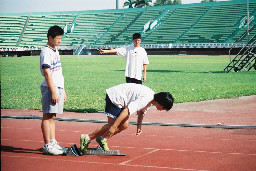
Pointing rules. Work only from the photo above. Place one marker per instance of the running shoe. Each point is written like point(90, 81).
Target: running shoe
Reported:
point(103, 143)
point(84, 143)
point(55, 144)
point(48, 149)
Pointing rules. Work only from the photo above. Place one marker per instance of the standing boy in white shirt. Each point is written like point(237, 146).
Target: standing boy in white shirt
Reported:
point(52, 89)
point(122, 101)
point(136, 60)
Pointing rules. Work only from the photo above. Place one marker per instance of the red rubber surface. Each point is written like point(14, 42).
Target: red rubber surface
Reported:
point(158, 148)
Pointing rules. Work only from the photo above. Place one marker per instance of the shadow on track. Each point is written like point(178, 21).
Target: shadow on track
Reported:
point(19, 150)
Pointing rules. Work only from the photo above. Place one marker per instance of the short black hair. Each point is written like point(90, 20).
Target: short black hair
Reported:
point(55, 31)
point(136, 36)
point(165, 99)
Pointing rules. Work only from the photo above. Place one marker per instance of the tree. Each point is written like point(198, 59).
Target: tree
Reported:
point(142, 3)
point(176, 2)
point(129, 3)
point(162, 2)
point(137, 3)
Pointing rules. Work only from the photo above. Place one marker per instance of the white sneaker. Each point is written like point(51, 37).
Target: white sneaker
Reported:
point(48, 149)
point(56, 145)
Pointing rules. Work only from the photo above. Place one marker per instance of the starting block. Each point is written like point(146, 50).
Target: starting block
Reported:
point(100, 151)
point(74, 151)
point(94, 151)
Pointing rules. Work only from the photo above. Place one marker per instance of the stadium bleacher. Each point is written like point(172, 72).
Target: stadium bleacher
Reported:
point(11, 28)
point(218, 25)
point(175, 23)
point(121, 27)
point(36, 30)
point(215, 22)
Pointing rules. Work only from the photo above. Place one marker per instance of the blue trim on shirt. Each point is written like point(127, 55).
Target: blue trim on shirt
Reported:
point(46, 65)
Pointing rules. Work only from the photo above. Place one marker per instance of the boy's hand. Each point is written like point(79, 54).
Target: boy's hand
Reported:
point(144, 78)
point(65, 96)
point(139, 131)
point(101, 51)
point(55, 98)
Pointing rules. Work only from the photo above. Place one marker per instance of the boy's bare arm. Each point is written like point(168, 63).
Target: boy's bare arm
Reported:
point(139, 122)
point(65, 95)
point(48, 79)
point(140, 117)
point(145, 72)
point(107, 51)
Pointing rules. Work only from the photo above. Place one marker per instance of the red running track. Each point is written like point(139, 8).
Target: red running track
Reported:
point(158, 148)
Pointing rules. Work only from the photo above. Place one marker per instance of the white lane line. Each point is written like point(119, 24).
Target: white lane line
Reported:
point(123, 163)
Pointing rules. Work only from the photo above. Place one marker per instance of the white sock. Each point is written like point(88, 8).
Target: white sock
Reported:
point(103, 139)
point(87, 137)
point(53, 140)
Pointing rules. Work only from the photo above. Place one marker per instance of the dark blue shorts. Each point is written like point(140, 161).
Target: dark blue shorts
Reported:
point(111, 110)
point(133, 80)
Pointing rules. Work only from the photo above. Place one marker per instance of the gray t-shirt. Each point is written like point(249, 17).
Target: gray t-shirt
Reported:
point(50, 58)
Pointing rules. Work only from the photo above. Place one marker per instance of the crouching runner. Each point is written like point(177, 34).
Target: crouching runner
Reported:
point(122, 101)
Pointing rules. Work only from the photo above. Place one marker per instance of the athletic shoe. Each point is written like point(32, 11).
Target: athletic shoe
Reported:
point(103, 144)
point(48, 149)
point(55, 144)
point(84, 143)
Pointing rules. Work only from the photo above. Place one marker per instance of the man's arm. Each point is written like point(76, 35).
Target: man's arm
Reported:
point(49, 81)
point(145, 72)
point(107, 51)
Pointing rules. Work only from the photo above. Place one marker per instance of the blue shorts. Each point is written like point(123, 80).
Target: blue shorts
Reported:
point(112, 110)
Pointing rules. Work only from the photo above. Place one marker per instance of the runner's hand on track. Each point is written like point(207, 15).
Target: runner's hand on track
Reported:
point(139, 131)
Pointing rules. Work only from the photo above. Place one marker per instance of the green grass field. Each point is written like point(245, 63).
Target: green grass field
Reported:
point(187, 78)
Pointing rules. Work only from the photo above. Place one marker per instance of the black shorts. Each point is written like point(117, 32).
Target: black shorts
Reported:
point(133, 80)
point(112, 110)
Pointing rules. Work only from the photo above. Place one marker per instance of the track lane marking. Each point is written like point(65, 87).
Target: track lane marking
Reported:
point(100, 163)
point(123, 163)
point(151, 148)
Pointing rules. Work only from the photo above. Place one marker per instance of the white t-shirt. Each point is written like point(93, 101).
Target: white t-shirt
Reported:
point(135, 97)
point(135, 57)
point(51, 59)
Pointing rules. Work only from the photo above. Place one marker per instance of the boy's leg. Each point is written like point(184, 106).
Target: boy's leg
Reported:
point(86, 139)
point(99, 131)
point(102, 140)
point(48, 127)
point(123, 125)
point(48, 130)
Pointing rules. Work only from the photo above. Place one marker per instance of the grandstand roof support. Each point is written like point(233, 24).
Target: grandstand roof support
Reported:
point(117, 4)
point(248, 22)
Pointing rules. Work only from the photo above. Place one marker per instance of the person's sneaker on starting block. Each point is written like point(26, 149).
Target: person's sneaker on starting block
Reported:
point(103, 143)
point(49, 149)
point(84, 142)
